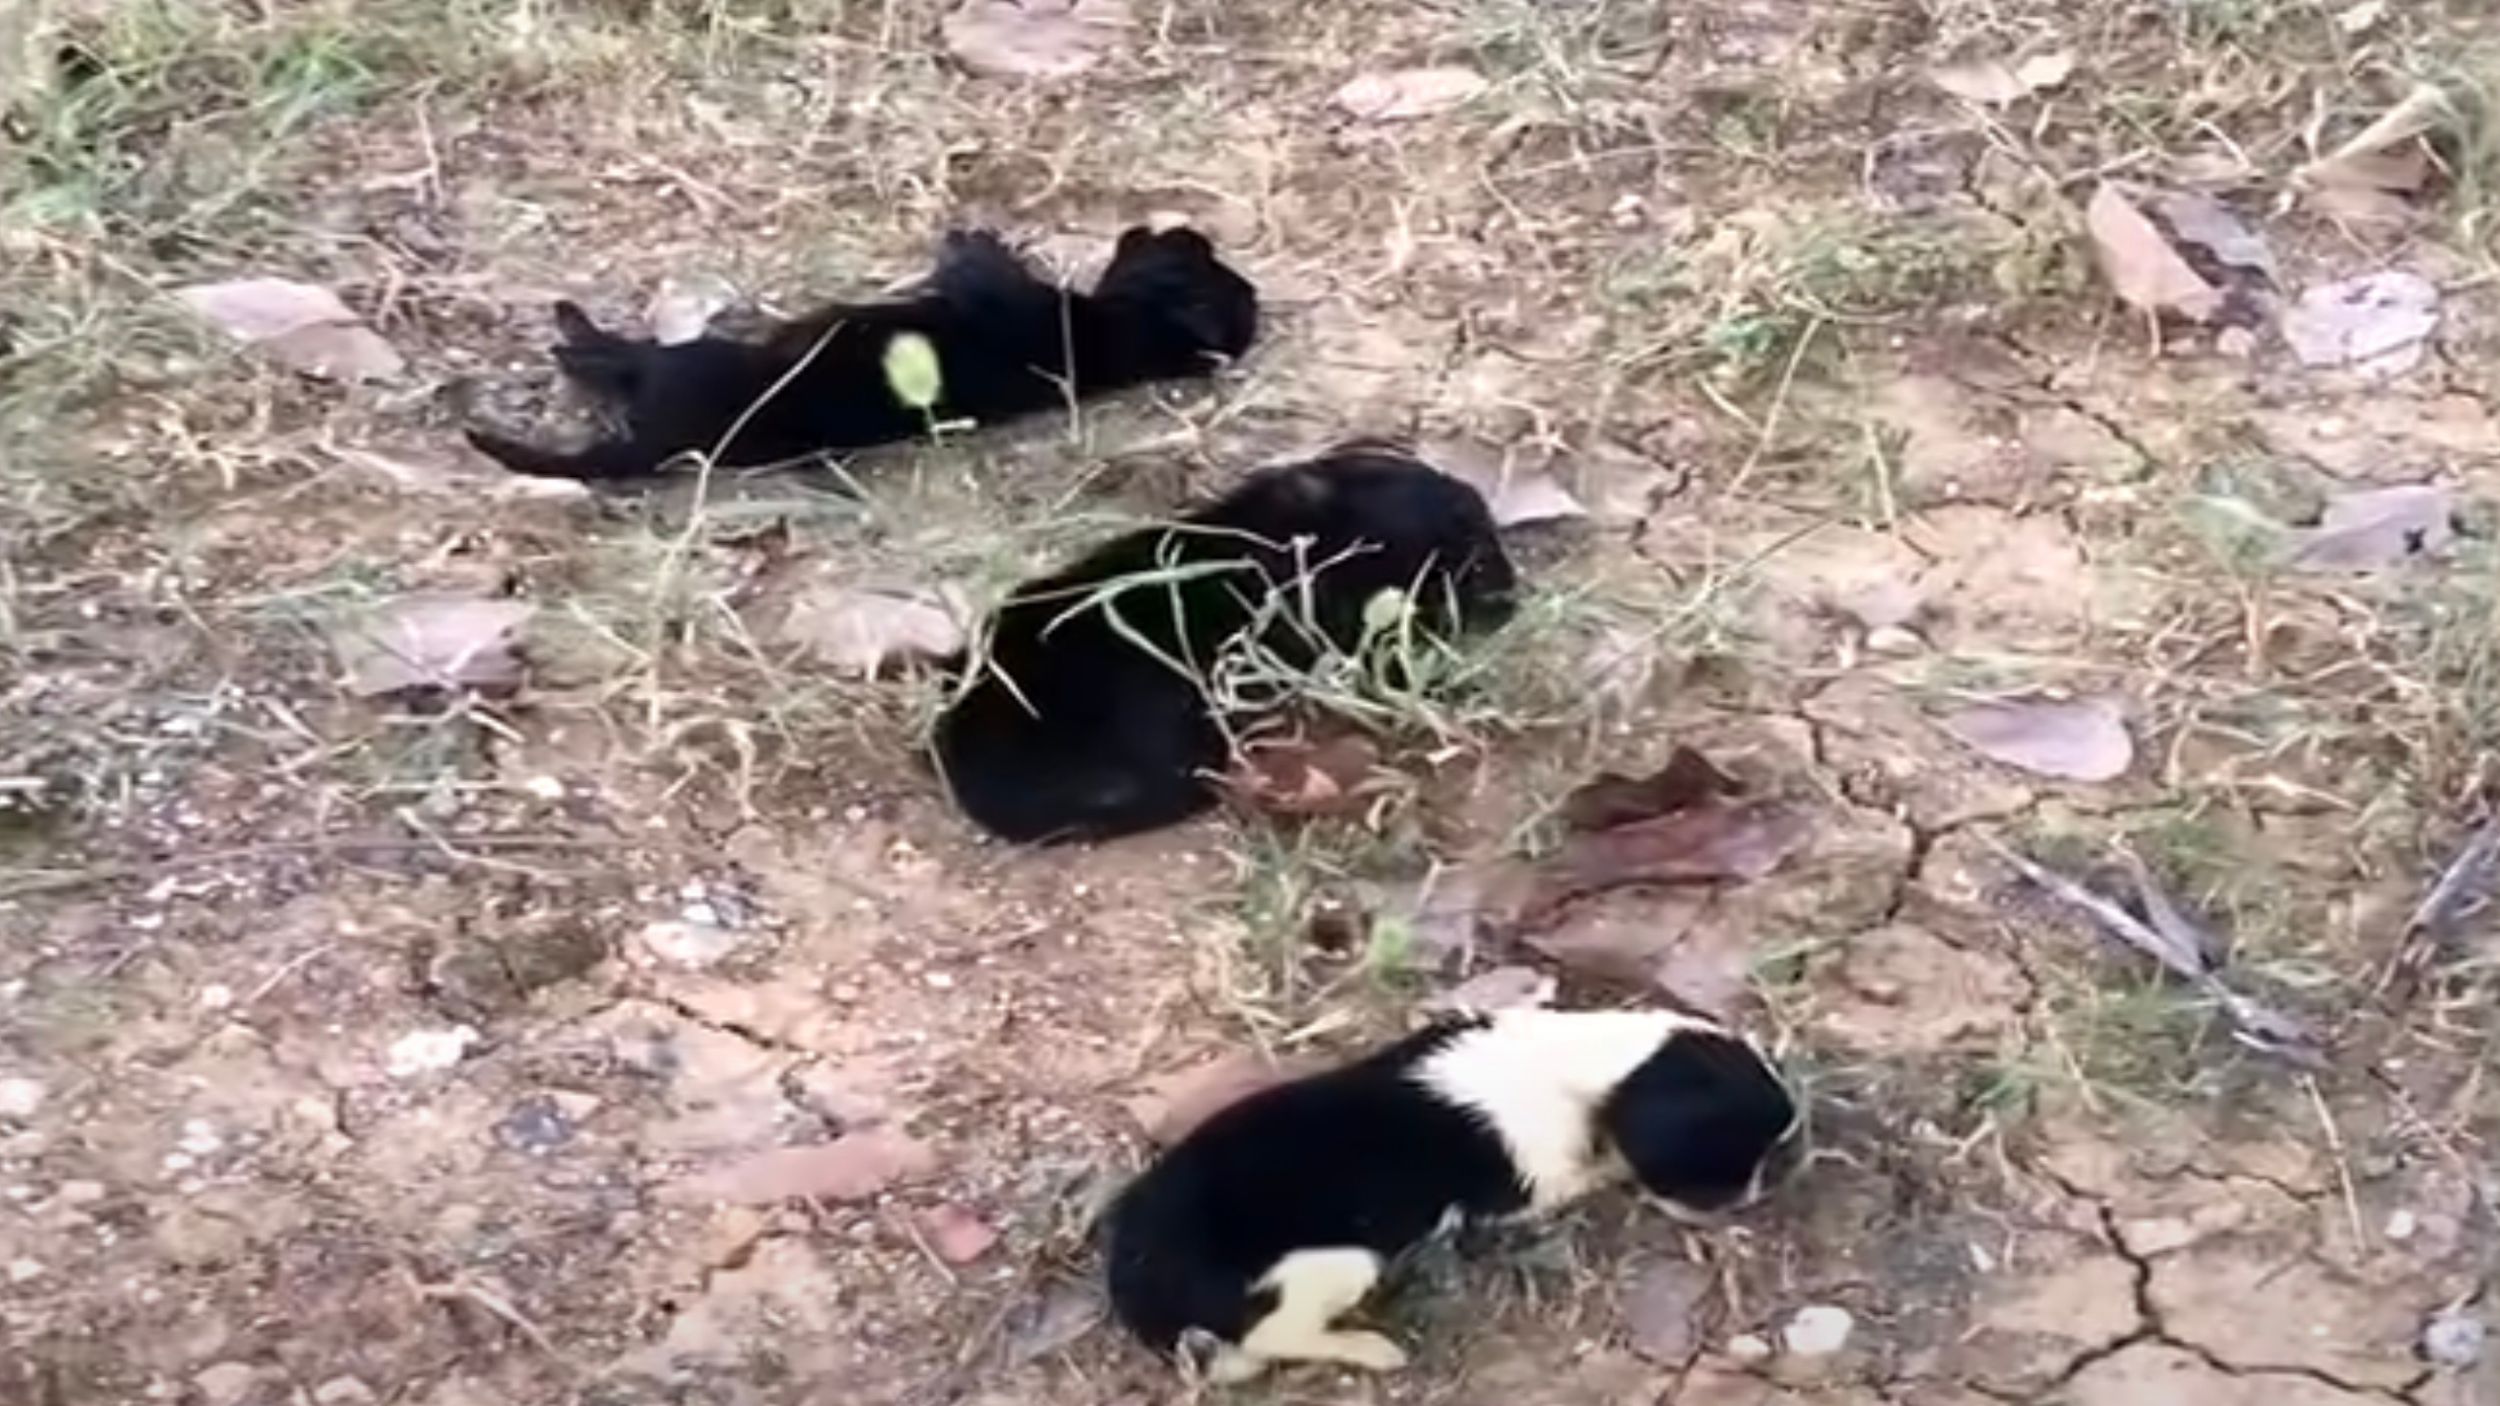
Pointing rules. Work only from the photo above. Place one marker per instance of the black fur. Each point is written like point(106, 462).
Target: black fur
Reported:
point(1373, 1156)
point(1165, 308)
point(1115, 741)
point(1703, 1124)
point(1360, 1155)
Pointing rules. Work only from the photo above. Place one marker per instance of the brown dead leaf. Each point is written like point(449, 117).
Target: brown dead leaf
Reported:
point(2373, 528)
point(1174, 1104)
point(1678, 941)
point(302, 326)
point(2378, 323)
point(1406, 93)
point(1719, 842)
point(1035, 38)
point(1304, 775)
point(2142, 268)
point(955, 1235)
point(2082, 739)
point(851, 1168)
point(1994, 83)
point(863, 630)
point(1609, 799)
point(435, 643)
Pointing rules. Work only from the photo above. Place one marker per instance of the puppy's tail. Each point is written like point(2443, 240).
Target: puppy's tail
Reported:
point(599, 462)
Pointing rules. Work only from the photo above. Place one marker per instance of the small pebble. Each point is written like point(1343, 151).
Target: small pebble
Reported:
point(2401, 1225)
point(22, 1270)
point(691, 944)
point(545, 788)
point(423, 1051)
point(19, 1098)
point(225, 1383)
point(1817, 1330)
point(343, 1391)
point(1749, 1347)
point(2454, 1338)
point(216, 996)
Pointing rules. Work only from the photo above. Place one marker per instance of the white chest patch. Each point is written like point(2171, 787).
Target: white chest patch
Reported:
point(1537, 1078)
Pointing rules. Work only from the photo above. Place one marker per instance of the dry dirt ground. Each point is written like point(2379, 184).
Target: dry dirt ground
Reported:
point(1861, 431)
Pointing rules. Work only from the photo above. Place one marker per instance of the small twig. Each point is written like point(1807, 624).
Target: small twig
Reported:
point(2429, 927)
point(920, 1242)
point(2343, 1163)
point(1779, 404)
point(459, 1290)
point(290, 967)
point(2257, 1026)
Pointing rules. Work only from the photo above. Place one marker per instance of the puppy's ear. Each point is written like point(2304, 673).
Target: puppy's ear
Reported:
point(1698, 1120)
point(575, 326)
point(1133, 241)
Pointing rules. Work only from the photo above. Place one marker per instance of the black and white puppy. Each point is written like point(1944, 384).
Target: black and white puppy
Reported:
point(1276, 1216)
point(1090, 718)
point(1006, 343)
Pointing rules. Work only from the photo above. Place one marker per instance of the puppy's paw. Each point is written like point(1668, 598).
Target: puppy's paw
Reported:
point(1370, 1351)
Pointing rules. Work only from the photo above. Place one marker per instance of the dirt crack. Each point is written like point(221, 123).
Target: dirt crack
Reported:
point(2153, 1328)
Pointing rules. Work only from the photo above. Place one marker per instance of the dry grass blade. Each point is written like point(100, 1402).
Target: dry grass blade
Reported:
point(2258, 1026)
point(2171, 920)
point(2419, 113)
point(2180, 958)
point(2461, 889)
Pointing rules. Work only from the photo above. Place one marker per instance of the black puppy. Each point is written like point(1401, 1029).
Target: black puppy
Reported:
point(1090, 719)
point(1005, 342)
point(1280, 1213)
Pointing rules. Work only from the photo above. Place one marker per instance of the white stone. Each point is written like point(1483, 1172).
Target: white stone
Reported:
point(1817, 1330)
point(2454, 1338)
point(424, 1051)
point(1749, 1347)
point(225, 1383)
point(20, 1097)
point(693, 946)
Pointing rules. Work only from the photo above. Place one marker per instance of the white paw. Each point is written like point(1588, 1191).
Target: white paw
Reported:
point(1369, 1351)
